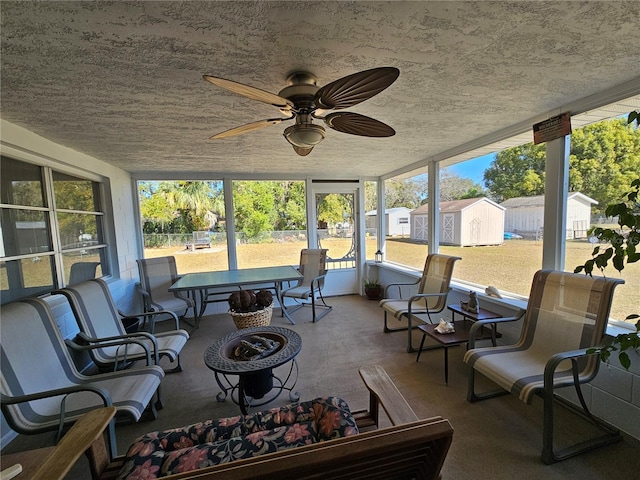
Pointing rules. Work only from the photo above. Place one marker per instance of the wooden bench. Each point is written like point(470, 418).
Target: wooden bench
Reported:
point(410, 448)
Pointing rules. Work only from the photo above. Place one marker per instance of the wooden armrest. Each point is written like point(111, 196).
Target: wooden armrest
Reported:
point(382, 391)
point(86, 435)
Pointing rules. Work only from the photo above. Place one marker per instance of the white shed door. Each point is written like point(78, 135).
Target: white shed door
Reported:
point(420, 227)
point(448, 228)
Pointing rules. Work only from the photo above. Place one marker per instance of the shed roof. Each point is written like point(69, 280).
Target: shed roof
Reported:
point(455, 205)
point(389, 211)
point(538, 200)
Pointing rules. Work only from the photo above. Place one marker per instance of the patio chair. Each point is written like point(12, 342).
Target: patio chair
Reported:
point(156, 276)
point(567, 315)
point(82, 271)
point(41, 389)
point(104, 335)
point(430, 297)
point(313, 267)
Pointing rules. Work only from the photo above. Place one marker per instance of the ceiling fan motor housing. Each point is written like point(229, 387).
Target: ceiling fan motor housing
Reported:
point(302, 96)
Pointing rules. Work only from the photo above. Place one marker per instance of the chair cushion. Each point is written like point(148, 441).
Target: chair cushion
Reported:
point(200, 445)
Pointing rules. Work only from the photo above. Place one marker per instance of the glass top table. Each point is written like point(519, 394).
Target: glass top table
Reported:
point(202, 281)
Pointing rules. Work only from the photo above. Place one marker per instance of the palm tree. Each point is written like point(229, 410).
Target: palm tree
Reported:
point(199, 203)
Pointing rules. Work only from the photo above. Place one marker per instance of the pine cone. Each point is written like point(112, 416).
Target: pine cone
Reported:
point(264, 298)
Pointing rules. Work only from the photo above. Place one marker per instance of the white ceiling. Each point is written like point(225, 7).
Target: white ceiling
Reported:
point(122, 81)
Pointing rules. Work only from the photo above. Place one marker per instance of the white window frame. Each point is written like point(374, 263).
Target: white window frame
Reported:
point(46, 170)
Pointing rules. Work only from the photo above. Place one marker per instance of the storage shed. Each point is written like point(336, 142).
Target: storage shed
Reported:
point(469, 222)
point(525, 215)
point(396, 221)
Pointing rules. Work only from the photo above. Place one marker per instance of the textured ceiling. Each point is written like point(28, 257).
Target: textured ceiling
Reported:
point(122, 81)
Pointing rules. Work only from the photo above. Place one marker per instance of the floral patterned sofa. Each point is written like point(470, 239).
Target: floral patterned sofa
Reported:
point(158, 454)
point(408, 447)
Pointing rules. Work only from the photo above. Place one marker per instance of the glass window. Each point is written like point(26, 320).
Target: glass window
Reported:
point(21, 184)
point(73, 193)
point(491, 211)
point(406, 244)
point(26, 277)
point(40, 243)
point(185, 219)
point(604, 160)
point(270, 222)
point(25, 232)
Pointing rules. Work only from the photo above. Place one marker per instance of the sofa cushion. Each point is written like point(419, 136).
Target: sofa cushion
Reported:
point(203, 444)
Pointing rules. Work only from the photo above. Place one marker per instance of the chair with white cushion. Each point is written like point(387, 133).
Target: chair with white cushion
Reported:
point(101, 327)
point(41, 389)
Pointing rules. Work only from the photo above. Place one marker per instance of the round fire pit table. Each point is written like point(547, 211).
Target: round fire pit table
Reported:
point(256, 384)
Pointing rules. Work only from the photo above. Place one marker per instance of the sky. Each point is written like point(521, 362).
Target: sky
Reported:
point(473, 169)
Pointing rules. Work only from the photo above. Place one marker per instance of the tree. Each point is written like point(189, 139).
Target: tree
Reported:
point(409, 192)
point(253, 207)
point(331, 208)
point(604, 159)
point(516, 172)
point(182, 206)
point(455, 187)
point(269, 205)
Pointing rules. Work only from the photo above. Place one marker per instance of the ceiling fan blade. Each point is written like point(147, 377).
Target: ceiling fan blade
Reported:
point(248, 127)
point(250, 92)
point(353, 89)
point(357, 124)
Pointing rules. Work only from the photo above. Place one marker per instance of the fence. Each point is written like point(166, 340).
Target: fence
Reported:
point(155, 240)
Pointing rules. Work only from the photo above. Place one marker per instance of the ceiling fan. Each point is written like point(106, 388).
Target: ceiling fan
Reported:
point(303, 101)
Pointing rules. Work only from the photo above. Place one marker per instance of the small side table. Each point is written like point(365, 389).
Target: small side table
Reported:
point(461, 334)
point(474, 317)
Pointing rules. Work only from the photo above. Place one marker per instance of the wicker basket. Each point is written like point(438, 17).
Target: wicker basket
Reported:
point(261, 318)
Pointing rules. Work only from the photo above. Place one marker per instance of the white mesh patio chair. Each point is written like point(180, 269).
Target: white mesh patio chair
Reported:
point(566, 315)
point(308, 291)
point(425, 296)
point(101, 329)
point(156, 276)
point(41, 388)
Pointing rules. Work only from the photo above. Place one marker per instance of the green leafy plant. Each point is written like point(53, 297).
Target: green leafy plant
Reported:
point(621, 343)
point(371, 283)
point(623, 243)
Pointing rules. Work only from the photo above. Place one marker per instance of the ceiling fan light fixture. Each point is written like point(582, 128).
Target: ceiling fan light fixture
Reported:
point(304, 136)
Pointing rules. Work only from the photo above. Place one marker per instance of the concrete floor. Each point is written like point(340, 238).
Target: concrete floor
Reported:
point(499, 438)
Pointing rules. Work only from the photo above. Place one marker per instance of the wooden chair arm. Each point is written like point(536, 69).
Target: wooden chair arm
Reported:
point(86, 435)
point(382, 391)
